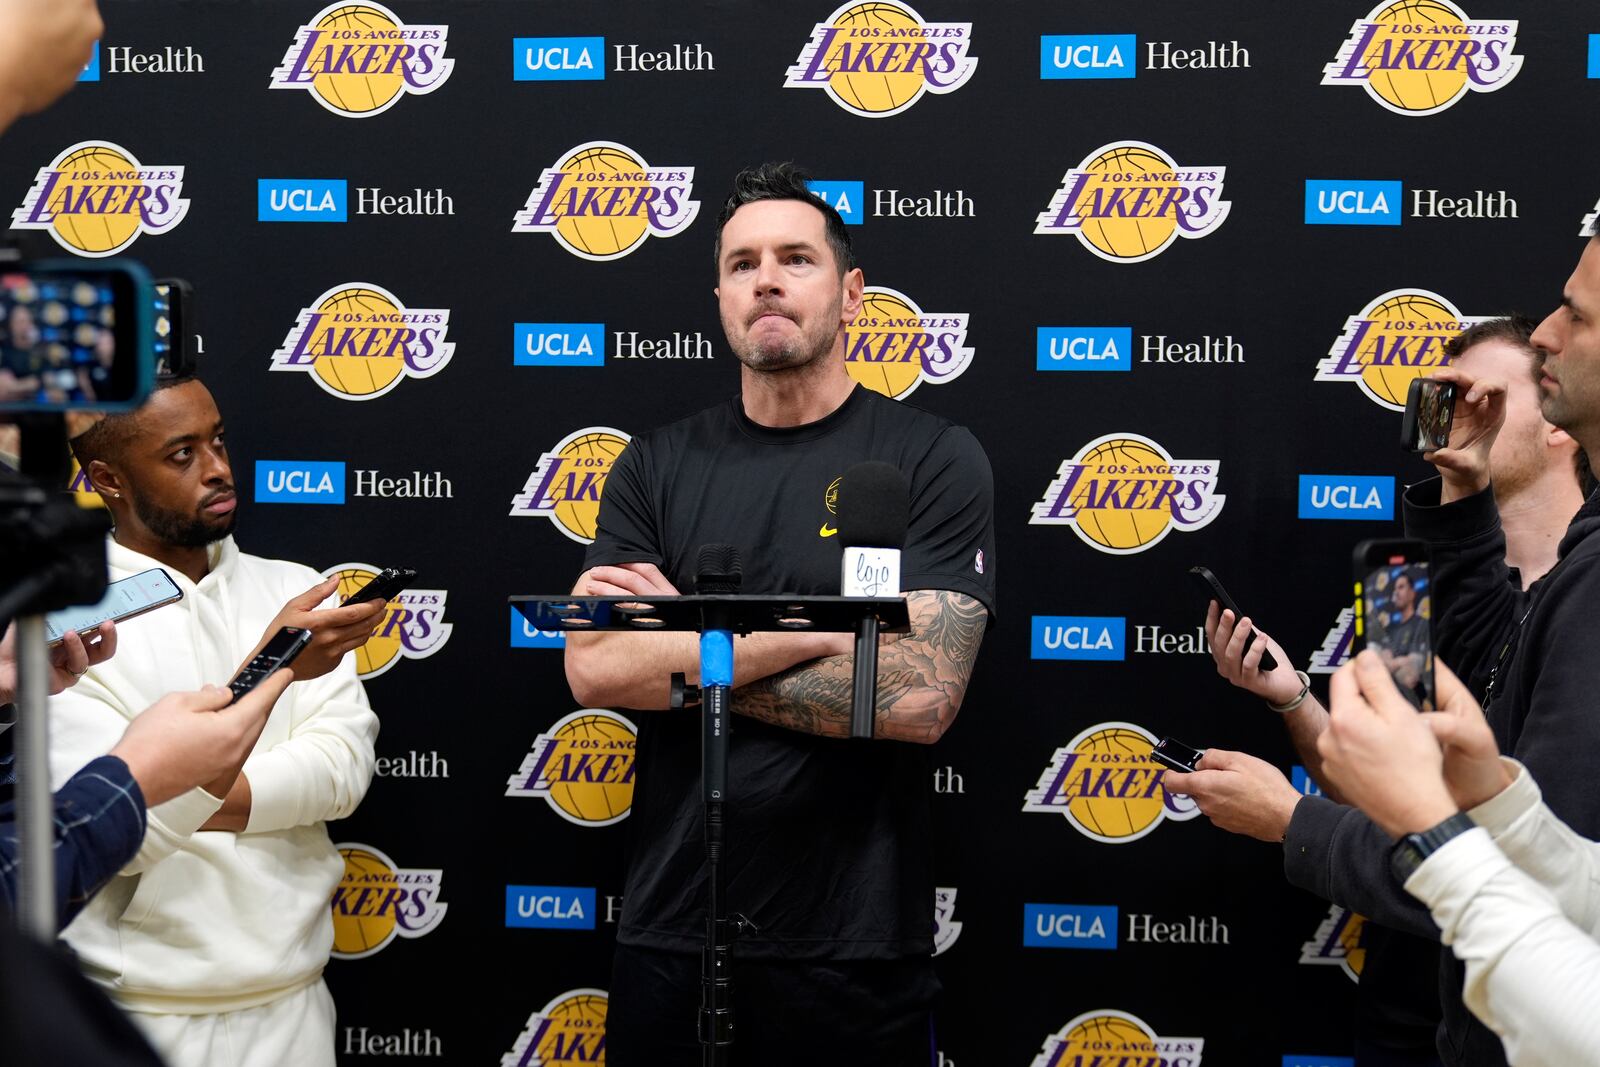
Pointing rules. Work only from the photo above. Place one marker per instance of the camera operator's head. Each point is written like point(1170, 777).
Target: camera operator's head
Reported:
point(1569, 382)
point(163, 470)
point(1528, 449)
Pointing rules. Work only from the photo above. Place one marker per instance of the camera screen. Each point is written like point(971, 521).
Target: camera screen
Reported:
point(1396, 608)
point(1435, 408)
point(58, 341)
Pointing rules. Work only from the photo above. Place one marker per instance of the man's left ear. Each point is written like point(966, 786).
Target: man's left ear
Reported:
point(854, 286)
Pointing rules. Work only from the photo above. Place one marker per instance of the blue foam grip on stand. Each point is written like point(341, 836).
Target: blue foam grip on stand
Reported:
point(716, 658)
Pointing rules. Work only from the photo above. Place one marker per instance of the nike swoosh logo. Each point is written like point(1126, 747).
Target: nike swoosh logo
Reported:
point(826, 531)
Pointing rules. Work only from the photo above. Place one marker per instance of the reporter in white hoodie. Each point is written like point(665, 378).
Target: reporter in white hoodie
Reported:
point(215, 936)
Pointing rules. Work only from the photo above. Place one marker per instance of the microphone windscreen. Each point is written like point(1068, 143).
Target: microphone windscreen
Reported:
point(718, 570)
point(874, 506)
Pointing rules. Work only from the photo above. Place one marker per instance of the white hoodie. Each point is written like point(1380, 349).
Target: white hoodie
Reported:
point(214, 921)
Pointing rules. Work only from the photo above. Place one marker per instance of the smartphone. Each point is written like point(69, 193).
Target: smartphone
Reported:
point(124, 599)
point(1213, 590)
point(1393, 610)
point(174, 343)
point(285, 645)
point(75, 336)
point(1430, 409)
point(385, 585)
point(1176, 755)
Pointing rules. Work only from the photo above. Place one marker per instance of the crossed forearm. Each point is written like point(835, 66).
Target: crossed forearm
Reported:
point(922, 677)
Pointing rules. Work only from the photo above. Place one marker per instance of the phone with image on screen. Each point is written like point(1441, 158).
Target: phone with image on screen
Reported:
point(1393, 613)
point(125, 599)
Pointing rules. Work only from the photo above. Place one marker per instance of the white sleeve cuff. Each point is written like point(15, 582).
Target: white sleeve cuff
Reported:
point(1448, 880)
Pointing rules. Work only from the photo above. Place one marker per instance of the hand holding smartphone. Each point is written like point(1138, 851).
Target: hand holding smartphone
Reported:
point(126, 598)
point(1392, 614)
point(385, 585)
point(1430, 412)
point(1175, 755)
point(1212, 588)
point(285, 645)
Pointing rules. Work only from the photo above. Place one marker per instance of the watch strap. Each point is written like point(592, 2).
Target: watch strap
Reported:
point(1409, 852)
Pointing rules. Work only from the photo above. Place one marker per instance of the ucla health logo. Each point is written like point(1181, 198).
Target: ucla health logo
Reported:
point(602, 200)
point(571, 1029)
point(95, 199)
point(1352, 203)
point(1398, 337)
point(1091, 637)
point(583, 767)
point(1089, 926)
point(299, 481)
point(1076, 56)
point(946, 927)
point(1109, 1036)
point(559, 344)
point(848, 198)
point(1122, 493)
point(1128, 201)
point(1419, 57)
point(543, 59)
point(876, 59)
point(302, 200)
point(1340, 942)
point(525, 634)
point(1346, 496)
point(1070, 348)
point(566, 484)
point(358, 60)
point(357, 340)
point(377, 900)
point(1107, 786)
point(893, 346)
point(550, 907)
point(1335, 650)
point(413, 624)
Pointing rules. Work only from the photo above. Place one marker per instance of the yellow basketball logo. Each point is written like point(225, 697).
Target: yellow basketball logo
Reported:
point(571, 1029)
point(1340, 941)
point(1128, 201)
point(357, 341)
point(1107, 786)
point(1419, 57)
point(602, 200)
point(413, 625)
point(95, 199)
point(876, 59)
point(893, 346)
point(1122, 493)
point(583, 767)
point(1107, 1036)
point(1397, 338)
point(377, 901)
point(358, 60)
point(567, 482)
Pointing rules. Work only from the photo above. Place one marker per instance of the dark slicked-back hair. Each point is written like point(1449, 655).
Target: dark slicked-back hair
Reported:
point(106, 438)
point(785, 181)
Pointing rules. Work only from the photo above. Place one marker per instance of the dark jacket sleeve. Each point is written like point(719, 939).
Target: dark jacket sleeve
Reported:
point(99, 823)
point(1339, 854)
point(1475, 606)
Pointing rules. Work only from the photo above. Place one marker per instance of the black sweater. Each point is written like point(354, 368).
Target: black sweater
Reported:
point(1543, 713)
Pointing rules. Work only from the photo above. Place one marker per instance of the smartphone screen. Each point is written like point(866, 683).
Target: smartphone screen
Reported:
point(1176, 755)
point(1396, 608)
point(63, 341)
point(1430, 410)
point(124, 599)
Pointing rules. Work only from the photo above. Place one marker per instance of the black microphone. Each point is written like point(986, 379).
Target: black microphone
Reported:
point(874, 510)
point(718, 570)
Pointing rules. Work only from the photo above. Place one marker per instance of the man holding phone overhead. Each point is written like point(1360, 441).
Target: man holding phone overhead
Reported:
point(214, 937)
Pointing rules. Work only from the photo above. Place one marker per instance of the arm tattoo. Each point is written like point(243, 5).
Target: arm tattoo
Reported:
point(922, 677)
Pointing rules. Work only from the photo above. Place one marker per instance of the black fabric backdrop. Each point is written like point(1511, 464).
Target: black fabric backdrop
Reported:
point(461, 719)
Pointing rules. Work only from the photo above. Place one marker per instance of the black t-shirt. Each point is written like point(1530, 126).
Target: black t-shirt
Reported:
point(828, 839)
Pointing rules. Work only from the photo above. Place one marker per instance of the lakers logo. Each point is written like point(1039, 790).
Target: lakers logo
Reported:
point(82, 489)
point(602, 200)
point(566, 484)
point(1110, 1037)
point(583, 767)
point(893, 346)
point(1335, 648)
point(95, 199)
point(876, 59)
point(1122, 494)
point(1397, 338)
point(569, 1029)
point(413, 625)
point(357, 341)
point(358, 60)
point(377, 901)
point(830, 500)
point(946, 927)
point(1107, 786)
point(1340, 941)
point(1418, 57)
point(1128, 201)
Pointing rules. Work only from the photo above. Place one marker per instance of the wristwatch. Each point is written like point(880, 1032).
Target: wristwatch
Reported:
point(1409, 852)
